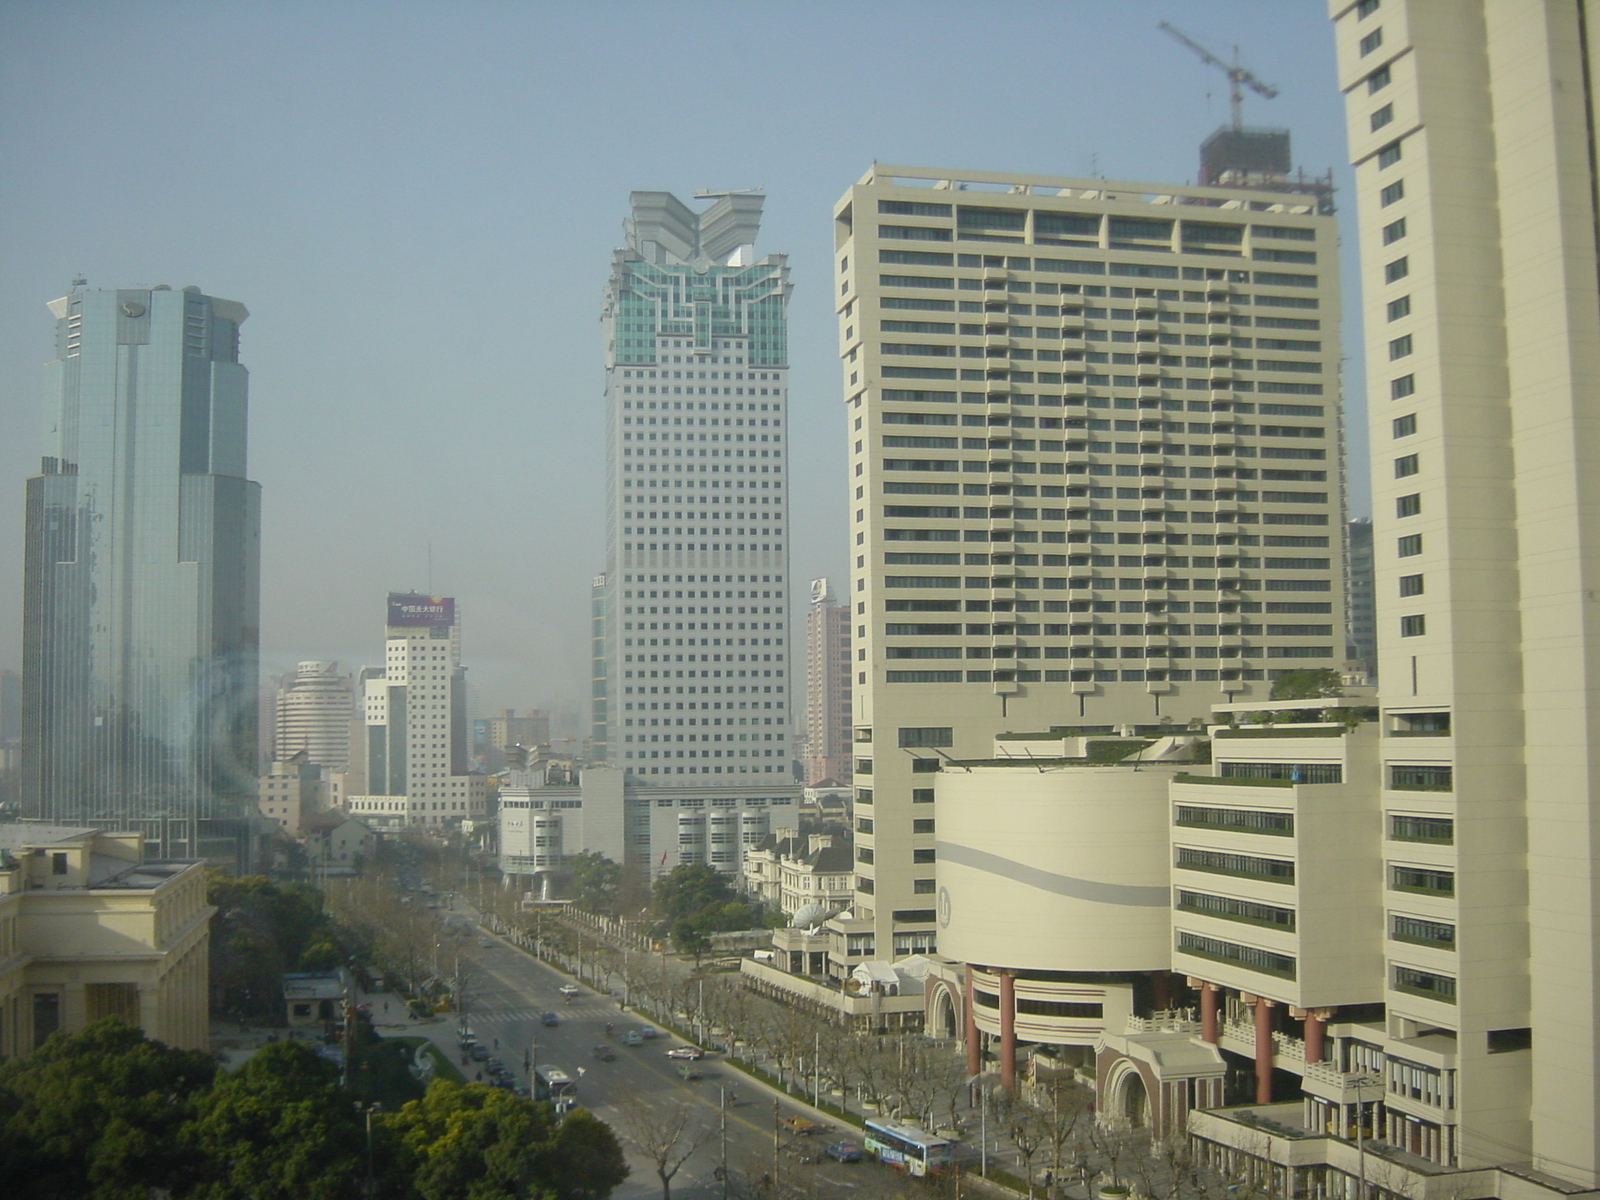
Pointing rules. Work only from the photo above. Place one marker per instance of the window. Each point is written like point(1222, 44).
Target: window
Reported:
point(1408, 506)
point(1405, 426)
point(1409, 546)
point(1245, 866)
point(922, 856)
point(1365, 8)
point(1400, 388)
point(1399, 308)
point(1395, 191)
point(1400, 347)
point(1382, 117)
point(1411, 585)
point(922, 887)
point(1394, 231)
point(922, 825)
point(1248, 957)
point(58, 864)
point(1231, 909)
point(1389, 155)
point(1378, 80)
point(1371, 42)
point(1422, 829)
point(942, 736)
point(1242, 820)
point(1422, 779)
point(1405, 466)
point(1425, 983)
point(1396, 270)
point(1427, 881)
point(1413, 626)
point(1422, 933)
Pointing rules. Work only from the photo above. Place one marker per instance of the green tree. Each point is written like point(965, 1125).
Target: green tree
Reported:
point(99, 1114)
point(688, 938)
point(483, 1143)
point(259, 931)
point(687, 889)
point(1322, 683)
point(279, 1128)
point(595, 882)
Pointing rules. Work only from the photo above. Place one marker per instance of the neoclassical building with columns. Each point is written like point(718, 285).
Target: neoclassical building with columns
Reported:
point(88, 929)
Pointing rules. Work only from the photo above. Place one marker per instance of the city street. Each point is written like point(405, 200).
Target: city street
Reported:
point(506, 992)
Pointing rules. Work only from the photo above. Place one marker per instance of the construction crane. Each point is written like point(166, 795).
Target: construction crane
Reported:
point(1237, 74)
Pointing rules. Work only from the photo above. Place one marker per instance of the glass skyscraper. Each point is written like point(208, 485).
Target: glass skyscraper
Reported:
point(691, 641)
point(142, 592)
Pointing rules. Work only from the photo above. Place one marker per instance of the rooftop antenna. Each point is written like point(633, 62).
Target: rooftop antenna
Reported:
point(1237, 74)
point(79, 281)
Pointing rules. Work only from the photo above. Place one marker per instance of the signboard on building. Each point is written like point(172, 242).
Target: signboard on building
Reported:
point(411, 609)
point(821, 593)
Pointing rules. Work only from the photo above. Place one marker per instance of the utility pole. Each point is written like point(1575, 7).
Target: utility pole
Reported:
point(723, 1112)
point(776, 1127)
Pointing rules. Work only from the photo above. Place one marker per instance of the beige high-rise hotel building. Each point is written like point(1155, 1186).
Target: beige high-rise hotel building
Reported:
point(1094, 433)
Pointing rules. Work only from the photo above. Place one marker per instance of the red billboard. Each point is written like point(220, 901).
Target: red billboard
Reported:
point(410, 608)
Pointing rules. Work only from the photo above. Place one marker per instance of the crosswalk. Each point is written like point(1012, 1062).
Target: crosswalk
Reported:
point(594, 1011)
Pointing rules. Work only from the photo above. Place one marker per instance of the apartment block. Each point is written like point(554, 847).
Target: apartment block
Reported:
point(1093, 435)
point(825, 752)
point(418, 771)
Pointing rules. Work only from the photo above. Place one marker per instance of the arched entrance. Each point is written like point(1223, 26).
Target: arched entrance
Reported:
point(944, 1015)
point(1126, 1101)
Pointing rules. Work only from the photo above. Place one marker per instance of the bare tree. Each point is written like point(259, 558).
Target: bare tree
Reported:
point(668, 1135)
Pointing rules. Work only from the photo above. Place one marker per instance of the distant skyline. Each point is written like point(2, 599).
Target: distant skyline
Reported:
point(416, 203)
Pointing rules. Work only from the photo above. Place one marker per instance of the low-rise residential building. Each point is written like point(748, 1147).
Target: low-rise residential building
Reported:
point(88, 929)
point(799, 873)
point(336, 844)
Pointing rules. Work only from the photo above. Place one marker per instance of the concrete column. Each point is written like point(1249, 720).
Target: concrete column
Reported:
point(1008, 1031)
point(1263, 1050)
point(969, 1029)
point(1208, 1013)
point(1316, 1026)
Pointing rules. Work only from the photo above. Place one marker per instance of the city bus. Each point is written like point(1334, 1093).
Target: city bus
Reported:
point(555, 1085)
point(913, 1150)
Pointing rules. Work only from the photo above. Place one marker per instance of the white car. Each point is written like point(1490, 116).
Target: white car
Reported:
point(689, 1052)
point(570, 990)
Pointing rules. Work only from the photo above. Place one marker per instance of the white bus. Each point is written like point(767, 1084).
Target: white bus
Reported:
point(912, 1149)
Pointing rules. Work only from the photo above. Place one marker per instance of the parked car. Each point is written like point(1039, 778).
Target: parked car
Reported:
point(478, 1054)
point(603, 1053)
point(843, 1151)
point(686, 1052)
point(549, 1018)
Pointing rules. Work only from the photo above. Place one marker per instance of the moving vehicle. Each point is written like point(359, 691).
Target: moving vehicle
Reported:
point(843, 1151)
point(603, 1053)
point(549, 1019)
point(553, 1084)
point(633, 1038)
point(802, 1125)
point(647, 1032)
point(686, 1052)
point(909, 1147)
point(689, 1072)
point(569, 990)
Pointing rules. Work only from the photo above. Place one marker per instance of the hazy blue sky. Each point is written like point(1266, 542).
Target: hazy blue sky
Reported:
point(418, 202)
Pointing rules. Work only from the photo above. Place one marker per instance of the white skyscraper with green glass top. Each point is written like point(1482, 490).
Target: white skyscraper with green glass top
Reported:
point(691, 639)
